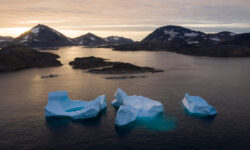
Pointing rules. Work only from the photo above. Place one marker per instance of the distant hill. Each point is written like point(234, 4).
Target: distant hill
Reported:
point(116, 40)
point(91, 40)
point(5, 39)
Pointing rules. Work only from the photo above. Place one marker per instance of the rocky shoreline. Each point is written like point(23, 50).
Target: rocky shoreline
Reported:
point(17, 57)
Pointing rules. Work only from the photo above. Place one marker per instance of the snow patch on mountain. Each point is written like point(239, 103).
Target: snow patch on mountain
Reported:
point(35, 30)
point(193, 42)
point(116, 38)
point(26, 37)
point(215, 39)
point(192, 34)
point(172, 34)
point(232, 34)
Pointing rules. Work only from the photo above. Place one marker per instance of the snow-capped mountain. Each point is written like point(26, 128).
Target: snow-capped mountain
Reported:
point(172, 34)
point(181, 35)
point(44, 36)
point(89, 40)
point(185, 41)
point(118, 40)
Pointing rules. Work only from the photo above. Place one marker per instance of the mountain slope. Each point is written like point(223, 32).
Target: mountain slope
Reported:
point(89, 40)
point(117, 40)
point(173, 34)
point(185, 41)
point(44, 36)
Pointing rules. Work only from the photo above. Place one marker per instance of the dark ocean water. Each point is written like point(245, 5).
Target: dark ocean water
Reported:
point(223, 82)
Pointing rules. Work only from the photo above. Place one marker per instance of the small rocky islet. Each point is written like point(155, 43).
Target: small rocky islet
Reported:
point(17, 57)
point(103, 66)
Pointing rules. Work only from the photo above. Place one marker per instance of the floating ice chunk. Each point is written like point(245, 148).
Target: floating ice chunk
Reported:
point(132, 107)
point(59, 105)
point(198, 106)
point(125, 115)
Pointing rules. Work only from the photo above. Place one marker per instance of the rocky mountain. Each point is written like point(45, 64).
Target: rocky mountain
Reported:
point(17, 57)
point(174, 34)
point(42, 36)
point(182, 40)
point(116, 40)
point(90, 40)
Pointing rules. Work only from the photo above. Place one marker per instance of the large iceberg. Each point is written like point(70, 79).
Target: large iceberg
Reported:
point(132, 107)
point(59, 105)
point(196, 105)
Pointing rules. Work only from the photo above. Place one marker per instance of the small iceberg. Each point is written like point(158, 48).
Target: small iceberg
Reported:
point(59, 105)
point(133, 107)
point(196, 105)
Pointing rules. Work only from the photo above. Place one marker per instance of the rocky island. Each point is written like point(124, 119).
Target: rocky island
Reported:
point(102, 66)
point(17, 57)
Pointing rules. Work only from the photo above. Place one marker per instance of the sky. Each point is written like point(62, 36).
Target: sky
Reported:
point(130, 18)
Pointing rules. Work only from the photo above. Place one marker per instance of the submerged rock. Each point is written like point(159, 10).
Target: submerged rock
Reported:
point(50, 76)
point(18, 57)
point(125, 77)
point(133, 107)
point(59, 105)
point(196, 105)
point(102, 66)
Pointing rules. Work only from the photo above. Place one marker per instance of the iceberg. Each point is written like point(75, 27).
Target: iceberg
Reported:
point(196, 105)
point(59, 105)
point(133, 107)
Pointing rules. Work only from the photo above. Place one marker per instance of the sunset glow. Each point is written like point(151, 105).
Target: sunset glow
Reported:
point(125, 18)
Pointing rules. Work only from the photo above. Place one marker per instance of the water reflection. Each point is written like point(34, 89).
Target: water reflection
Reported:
point(205, 119)
point(160, 123)
point(92, 122)
point(55, 123)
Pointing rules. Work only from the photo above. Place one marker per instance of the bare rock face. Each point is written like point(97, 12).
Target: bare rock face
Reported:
point(17, 57)
point(102, 66)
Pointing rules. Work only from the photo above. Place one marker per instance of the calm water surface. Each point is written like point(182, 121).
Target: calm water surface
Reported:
point(223, 82)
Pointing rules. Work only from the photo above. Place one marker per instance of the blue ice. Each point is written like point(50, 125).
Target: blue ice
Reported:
point(59, 105)
point(133, 107)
